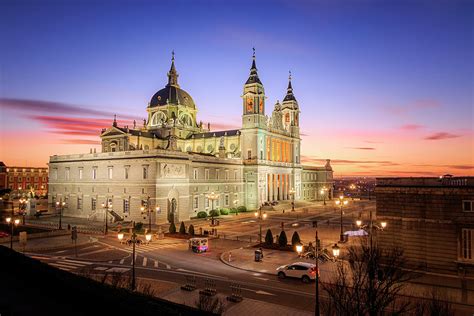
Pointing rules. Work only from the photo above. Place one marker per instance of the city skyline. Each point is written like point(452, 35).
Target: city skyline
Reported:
point(378, 97)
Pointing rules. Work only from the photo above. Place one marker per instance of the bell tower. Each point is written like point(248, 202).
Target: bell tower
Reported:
point(253, 100)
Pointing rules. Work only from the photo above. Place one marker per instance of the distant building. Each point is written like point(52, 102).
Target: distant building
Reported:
point(3, 176)
point(176, 162)
point(21, 180)
point(432, 219)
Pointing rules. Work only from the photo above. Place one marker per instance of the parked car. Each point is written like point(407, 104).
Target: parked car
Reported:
point(300, 270)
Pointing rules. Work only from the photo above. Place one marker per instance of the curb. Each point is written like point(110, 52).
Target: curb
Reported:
point(55, 247)
point(221, 258)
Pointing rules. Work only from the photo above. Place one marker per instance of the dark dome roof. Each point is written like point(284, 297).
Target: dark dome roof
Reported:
point(174, 95)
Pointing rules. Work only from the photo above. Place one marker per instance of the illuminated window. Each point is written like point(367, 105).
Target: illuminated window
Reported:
point(110, 172)
point(80, 173)
point(196, 202)
point(467, 244)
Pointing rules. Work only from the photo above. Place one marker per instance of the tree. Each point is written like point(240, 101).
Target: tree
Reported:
point(191, 230)
point(172, 228)
point(182, 229)
point(282, 240)
point(269, 238)
point(295, 239)
point(368, 282)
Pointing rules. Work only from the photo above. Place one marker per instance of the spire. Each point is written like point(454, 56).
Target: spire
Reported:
point(114, 124)
point(173, 74)
point(289, 91)
point(253, 78)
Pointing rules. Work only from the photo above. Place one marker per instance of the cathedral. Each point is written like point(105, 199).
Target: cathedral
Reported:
point(175, 167)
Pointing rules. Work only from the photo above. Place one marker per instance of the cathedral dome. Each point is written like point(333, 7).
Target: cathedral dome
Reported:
point(172, 94)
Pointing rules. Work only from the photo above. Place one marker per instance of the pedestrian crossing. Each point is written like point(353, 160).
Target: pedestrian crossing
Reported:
point(144, 248)
point(72, 265)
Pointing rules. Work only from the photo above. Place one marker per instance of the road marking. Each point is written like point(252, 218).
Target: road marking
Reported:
point(61, 251)
point(77, 262)
point(101, 268)
point(121, 270)
point(63, 265)
point(263, 279)
point(156, 263)
point(263, 293)
point(121, 261)
point(144, 261)
point(92, 252)
point(110, 261)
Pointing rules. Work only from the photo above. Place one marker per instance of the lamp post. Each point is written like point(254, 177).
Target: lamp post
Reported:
point(383, 224)
point(235, 206)
point(133, 240)
point(341, 202)
point(316, 252)
point(59, 206)
point(107, 206)
point(22, 208)
point(147, 209)
point(260, 216)
point(292, 193)
point(12, 222)
point(213, 196)
point(324, 191)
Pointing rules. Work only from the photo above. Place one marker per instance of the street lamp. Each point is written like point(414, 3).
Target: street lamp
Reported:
point(107, 206)
point(299, 248)
point(148, 212)
point(260, 216)
point(235, 206)
point(335, 251)
point(383, 224)
point(59, 206)
point(22, 207)
point(12, 222)
point(341, 202)
point(133, 240)
point(324, 191)
point(292, 193)
point(213, 196)
point(316, 256)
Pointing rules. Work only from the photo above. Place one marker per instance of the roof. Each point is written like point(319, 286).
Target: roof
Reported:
point(231, 132)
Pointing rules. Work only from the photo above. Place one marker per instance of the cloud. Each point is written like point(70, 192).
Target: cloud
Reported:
point(426, 104)
point(441, 135)
point(222, 126)
point(51, 107)
point(362, 148)
point(80, 141)
point(72, 125)
point(461, 167)
point(411, 127)
point(348, 162)
point(372, 142)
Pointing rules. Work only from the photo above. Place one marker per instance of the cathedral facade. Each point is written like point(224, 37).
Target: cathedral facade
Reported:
point(171, 164)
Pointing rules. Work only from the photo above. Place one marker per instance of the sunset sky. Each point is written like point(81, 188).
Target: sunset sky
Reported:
point(384, 87)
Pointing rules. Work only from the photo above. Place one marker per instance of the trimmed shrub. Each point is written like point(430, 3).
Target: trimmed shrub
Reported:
point(172, 228)
point(295, 239)
point(224, 211)
point(214, 213)
point(269, 238)
point(233, 210)
point(202, 214)
point(282, 240)
point(182, 228)
point(191, 230)
point(242, 209)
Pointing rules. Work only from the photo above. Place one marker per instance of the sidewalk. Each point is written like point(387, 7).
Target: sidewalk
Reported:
point(49, 243)
point(246, 307)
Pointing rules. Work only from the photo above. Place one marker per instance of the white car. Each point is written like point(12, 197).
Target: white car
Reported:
point(301, 270)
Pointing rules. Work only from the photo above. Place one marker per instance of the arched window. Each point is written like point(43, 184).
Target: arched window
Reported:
point(158, 118)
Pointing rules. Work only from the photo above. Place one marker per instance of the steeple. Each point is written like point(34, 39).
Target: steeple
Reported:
point(289, 91)
point(114, 124)
point(173, 74)
point(253, 78)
